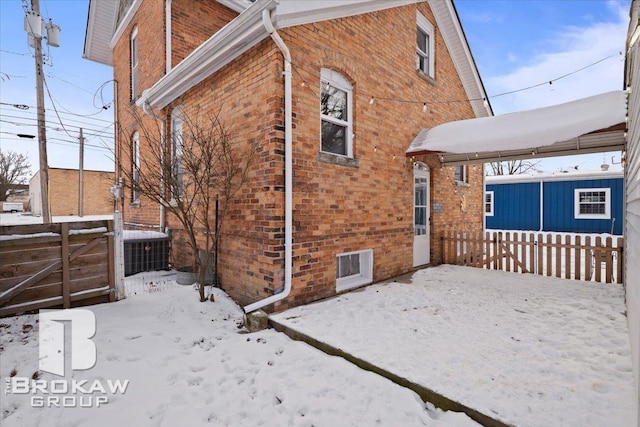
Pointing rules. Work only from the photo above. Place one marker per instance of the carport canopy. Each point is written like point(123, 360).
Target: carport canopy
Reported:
point(589, 125)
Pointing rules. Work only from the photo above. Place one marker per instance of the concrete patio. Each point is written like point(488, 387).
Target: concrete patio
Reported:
point(506, 348)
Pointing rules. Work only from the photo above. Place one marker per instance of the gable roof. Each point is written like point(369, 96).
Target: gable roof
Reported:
point(587, 125)
point(247, 30)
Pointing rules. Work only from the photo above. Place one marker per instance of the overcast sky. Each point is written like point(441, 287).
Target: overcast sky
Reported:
point(516, 44)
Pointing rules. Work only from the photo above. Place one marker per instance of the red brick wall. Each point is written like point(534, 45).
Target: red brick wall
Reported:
point(336, 208)
point(193, 22)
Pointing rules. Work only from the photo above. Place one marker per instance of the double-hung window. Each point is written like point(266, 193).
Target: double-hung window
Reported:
point(425, 45)
point(335, 114)
point(135, 166)
point(592, 203)
point(177, 168)
point(488, 203)
point(460, 174)
point(134, 63)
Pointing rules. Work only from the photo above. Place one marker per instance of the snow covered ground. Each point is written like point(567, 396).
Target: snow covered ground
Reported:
point(525, 349)
point(28, 218)
point(189, 364)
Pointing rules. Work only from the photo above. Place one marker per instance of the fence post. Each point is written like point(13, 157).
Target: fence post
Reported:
point(64, 249)
point(620, 261)
point(567, 257)
point(609, 258)
point(118, 244)
point(577, 253)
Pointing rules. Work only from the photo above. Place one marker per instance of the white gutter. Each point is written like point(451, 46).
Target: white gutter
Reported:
point(148, 111)
point(167, 14)
point(288, 172)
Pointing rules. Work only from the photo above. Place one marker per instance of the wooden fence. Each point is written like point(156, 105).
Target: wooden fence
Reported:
point(56, 265)
point(572, 257)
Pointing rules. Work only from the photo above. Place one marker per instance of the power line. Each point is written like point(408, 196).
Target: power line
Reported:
point(82, 125)
point(28, 107)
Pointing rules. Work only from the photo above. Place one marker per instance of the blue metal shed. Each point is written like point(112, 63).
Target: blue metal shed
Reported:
point(585, 202)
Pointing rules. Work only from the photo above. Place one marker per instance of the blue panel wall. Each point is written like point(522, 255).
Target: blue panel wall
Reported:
point(515, 206)
point(559, 212)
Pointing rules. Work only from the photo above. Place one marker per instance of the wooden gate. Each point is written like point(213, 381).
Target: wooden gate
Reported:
point(56, 265)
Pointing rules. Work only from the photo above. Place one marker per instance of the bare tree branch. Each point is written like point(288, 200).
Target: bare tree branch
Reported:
point(512, 167)
point(14, 169)
point(187, 173)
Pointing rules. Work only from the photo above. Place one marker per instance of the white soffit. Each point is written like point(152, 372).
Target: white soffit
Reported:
point(582, 126)
point(100, 28)
point(449, 26)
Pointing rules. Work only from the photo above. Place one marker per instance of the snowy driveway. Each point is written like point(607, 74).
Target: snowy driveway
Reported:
point(526, 350)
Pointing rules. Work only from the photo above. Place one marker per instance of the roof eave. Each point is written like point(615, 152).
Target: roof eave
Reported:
point(97, 36)
point(458, 47)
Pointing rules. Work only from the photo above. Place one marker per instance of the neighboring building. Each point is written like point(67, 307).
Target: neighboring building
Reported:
point(361, 211)
point(63, 192)
point(584, 202)
point(632, 201)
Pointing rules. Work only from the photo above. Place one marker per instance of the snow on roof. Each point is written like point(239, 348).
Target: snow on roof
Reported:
point(525, 129)
point(555, 176)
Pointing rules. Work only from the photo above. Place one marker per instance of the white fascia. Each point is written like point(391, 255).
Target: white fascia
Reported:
point(449, 26)
point(235, 38)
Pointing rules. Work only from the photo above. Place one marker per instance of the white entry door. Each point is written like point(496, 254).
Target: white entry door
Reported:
point(421, 229)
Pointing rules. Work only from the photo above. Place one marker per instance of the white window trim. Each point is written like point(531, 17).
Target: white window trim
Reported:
point(428, 28)
point(338, 81)
point(135, 162)
point(607, 204)
point(176, 115)
point(134, 62)
point(490, 213)
point(366, 271)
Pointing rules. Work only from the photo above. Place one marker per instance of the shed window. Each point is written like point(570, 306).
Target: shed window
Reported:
point(354, 269)
point(425, 46)
point(488, 203)
point(335, 113)
point(593, 203)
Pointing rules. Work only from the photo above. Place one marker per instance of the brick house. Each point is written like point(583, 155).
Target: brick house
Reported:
point(335, 95)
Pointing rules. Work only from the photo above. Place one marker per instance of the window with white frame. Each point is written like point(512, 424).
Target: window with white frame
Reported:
point(135, 166)
point(177, 169)
point(592, 203)
point(134, 63)
point(488, 203)
point(460, 173)
point(354, 269)
point(335, 114)
point(425, 46)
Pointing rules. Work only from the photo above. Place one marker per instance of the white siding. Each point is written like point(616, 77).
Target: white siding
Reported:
point(35, 195)
point(632, 214)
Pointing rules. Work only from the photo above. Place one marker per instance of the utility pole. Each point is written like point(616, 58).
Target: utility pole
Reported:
point(33, 26)
point(42, 131)
point(80, 177)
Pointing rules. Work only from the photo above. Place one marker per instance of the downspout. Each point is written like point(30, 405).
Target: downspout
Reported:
point(167, 14)
point(288, 172)
point(148, 111)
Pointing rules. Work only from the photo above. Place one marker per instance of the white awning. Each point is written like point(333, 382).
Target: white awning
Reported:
point(588, 125)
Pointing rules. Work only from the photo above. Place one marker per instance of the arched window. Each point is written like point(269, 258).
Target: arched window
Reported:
point(335, 113)
point(176, 153)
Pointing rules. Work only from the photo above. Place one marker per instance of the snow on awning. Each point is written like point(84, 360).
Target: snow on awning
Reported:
point(588, 125)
